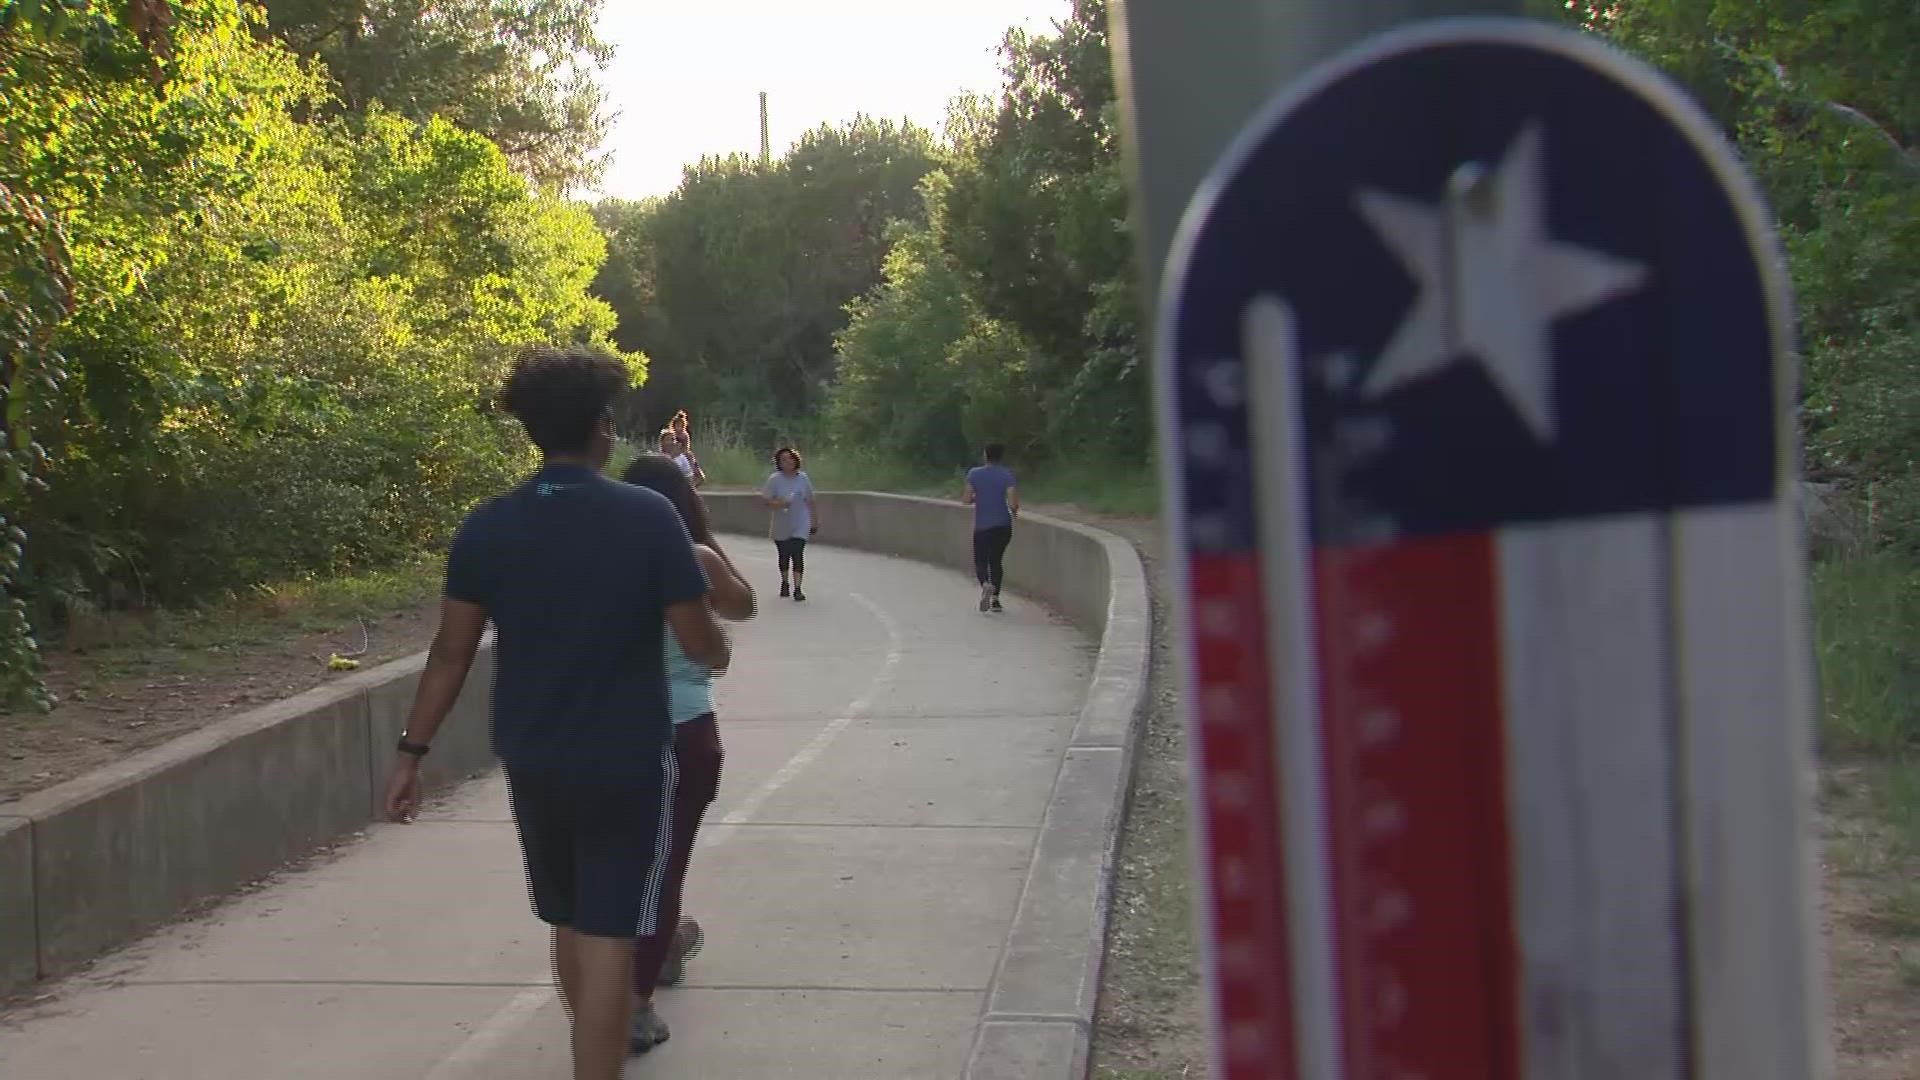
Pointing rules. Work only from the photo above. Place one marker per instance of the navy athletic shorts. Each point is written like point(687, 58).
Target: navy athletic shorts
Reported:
point(596, 848)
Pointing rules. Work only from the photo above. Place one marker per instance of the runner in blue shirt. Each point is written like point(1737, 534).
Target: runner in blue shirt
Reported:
point(995, 497)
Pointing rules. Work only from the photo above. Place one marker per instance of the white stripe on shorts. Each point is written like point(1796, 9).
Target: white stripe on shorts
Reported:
point(662, 847)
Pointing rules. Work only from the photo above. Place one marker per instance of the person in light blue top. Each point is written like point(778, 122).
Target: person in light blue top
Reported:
point(994, 495)
point(789, 493)
point(660, 958)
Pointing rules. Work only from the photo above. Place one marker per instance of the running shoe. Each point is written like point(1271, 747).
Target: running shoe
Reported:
point(798, 595)
point(647, 1031)
point(687, 939)
point(996, 603)
point(986, 597)
point(784, 590)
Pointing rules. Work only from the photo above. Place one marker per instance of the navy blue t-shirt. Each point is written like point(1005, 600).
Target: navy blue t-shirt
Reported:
point(576, 572)
point(990, 484)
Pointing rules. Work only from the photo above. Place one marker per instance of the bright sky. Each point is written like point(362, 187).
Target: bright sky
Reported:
point(687, 74)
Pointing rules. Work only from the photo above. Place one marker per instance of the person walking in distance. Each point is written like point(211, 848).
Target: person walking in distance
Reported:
point(790, 494)
point(582, 577)
point(671, 449)
point(995, 498)
point(660, 958)
point(678, 425)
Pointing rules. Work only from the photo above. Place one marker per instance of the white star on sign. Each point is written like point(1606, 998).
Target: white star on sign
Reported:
point(1491, 282)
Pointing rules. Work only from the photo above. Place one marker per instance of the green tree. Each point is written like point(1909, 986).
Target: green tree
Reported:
point(1038, 225)
point(86, 86)
point(248, 337)
point(736, 283)
point(923, 371)
point(523, 73)
point(1822, 99)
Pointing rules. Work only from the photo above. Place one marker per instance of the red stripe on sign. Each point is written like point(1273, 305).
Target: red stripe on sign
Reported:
point(1409, 648)
point(1240, 818)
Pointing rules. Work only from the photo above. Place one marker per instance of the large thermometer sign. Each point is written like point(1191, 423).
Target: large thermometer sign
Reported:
point(1476, 379)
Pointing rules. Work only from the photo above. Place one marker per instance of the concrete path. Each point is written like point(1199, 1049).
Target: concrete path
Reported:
point(889, 756)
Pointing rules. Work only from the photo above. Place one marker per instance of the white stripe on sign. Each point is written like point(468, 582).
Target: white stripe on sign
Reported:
point(1589, 718)
point(1739, 610)
point(1273, 357)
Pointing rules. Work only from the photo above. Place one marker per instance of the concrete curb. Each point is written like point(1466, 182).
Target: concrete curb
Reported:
point(1039, 1011)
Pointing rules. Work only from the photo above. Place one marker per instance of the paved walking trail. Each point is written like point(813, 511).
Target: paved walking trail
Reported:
point(889, 755)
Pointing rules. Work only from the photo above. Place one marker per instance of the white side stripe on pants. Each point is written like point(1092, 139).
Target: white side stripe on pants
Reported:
point(663, 845)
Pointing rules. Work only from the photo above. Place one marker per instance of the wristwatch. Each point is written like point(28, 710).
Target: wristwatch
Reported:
point(413, 749)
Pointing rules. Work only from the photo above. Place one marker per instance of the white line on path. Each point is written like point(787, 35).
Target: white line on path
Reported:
point(497, 1030)
point(751, 805)
point(487, 1039)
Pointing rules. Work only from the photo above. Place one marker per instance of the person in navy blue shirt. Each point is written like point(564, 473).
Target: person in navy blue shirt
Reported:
point(581, 576)
point(995, 498)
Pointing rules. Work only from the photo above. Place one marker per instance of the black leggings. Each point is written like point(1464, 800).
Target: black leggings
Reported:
point(989, 551)
point(792, 553)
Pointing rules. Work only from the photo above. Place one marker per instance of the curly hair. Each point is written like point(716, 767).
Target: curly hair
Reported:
point(777, 454)
point(560, 395)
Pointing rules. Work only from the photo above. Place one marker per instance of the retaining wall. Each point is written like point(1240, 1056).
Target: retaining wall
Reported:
point(96, 862)
point(101, 859)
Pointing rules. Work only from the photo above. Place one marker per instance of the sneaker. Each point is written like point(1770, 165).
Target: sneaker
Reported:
point(647, 1031)
point(687, 939)
point(996, 603)
point(798, 595)
point(986, 597)
point(784, 590)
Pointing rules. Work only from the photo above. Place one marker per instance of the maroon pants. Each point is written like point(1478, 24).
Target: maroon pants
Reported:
point(696, 746)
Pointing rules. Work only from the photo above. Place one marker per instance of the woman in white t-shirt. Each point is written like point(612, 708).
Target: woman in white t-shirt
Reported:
point(789, 494)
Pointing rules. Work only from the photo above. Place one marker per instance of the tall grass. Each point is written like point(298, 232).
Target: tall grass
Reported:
point(1866, 622)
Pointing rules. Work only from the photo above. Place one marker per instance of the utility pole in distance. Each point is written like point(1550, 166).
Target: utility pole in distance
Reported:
point(1479, 452)
point(766, 146)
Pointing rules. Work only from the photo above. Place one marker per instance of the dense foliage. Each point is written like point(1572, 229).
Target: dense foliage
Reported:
point(250, 333)
point(520, 72)
point(737, 280)
point(877, 290)
point(1006, 303)
point(1823, 99)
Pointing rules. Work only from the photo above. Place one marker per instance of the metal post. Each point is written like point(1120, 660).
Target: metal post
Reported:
point(766, 146)
point(1192, 72)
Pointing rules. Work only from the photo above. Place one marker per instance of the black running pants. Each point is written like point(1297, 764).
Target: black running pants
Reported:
point(793, 553)
point(990, 553)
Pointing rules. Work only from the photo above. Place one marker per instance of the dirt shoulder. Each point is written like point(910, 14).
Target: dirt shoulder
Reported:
point(1870, 916)
point(127, 682)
